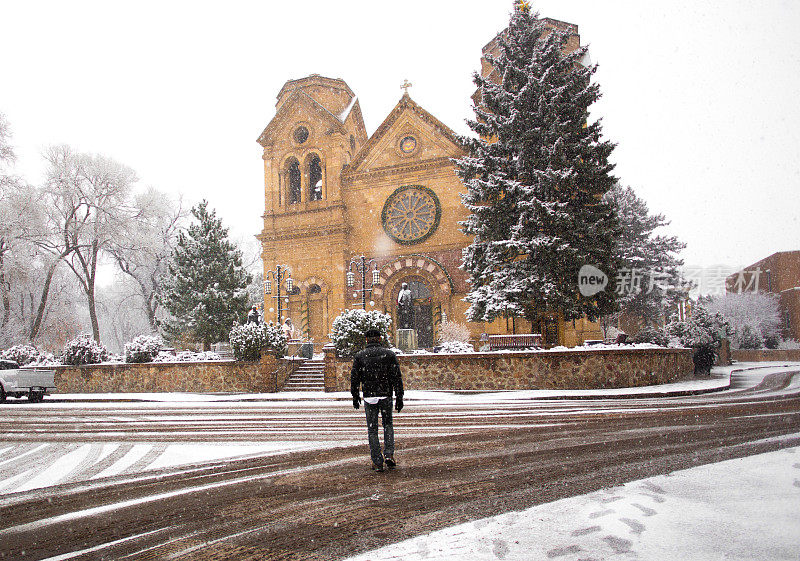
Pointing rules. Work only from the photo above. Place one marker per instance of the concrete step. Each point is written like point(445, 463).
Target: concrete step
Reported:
point(309, 377)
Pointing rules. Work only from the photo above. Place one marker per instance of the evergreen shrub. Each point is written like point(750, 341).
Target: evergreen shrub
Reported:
point(456, 347)
point(652, 335)
point(248, 340)
point(84, 350)
point(347, 331)
point(21, 354)
point(703, 332)
point(750, 338)
point(143, 349)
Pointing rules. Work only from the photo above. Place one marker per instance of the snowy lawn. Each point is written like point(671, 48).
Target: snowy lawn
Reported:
point(746, 509)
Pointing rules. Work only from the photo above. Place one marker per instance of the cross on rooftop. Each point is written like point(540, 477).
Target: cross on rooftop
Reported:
point(406, 85)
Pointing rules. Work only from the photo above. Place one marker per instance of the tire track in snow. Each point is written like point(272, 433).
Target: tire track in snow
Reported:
point(33, 458)
point(145, 461)
point(45, 462)
point(93, 454)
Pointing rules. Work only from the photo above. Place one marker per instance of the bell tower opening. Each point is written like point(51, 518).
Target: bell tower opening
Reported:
point(314, 178)
point(293, 177)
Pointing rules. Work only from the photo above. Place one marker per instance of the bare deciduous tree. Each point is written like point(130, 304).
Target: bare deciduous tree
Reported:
point(145, 257)
point(90, 202)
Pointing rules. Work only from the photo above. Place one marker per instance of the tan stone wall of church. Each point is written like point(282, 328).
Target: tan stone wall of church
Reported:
point(611, 368)
point(365, 198)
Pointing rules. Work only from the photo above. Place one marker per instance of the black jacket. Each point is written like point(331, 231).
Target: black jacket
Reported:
point(377, 370)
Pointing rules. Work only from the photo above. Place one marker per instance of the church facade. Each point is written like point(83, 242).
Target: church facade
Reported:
point(340, 204)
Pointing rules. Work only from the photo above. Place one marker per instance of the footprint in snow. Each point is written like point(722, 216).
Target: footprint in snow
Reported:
point(635, 526)
point(653, 487)
point(619, 545)
point(645, 510)
point(500, 549)
point(600, 513)
point(562, 551)
point(585, 531)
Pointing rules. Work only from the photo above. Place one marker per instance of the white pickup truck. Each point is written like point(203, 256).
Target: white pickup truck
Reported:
point(31, 382)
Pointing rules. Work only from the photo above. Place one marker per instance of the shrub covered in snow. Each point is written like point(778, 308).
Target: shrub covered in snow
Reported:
point(186, 356)
point(248, 340)
point(754, 318)
point(456, 347)
point(143, 349)
point(347, 331)
point(703, 331)
point(84, 350)
point(21, 354)
point(45, 359)
point(451, 331)
point(652, 335)
point(749, 338)
point(611, 333)
point(789, 344)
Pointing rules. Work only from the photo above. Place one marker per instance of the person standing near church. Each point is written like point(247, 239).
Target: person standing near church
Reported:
point(376, 370)
point(288, 329)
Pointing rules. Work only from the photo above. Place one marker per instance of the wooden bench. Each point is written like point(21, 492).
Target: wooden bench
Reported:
point(520, 341)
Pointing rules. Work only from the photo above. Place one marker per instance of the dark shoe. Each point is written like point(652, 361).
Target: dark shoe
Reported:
point(390, 463)
point(376, 467)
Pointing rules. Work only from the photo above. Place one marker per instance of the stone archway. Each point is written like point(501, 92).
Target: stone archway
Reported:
point(431, 287)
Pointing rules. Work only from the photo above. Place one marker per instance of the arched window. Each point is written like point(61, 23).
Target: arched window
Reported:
point(314, 178)
point(314, 289)
point(293, 177)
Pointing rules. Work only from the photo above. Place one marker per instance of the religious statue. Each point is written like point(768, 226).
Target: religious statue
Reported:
point(253, 316)
point(405, 308)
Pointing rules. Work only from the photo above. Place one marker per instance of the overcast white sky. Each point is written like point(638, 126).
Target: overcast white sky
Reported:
point(701, 97)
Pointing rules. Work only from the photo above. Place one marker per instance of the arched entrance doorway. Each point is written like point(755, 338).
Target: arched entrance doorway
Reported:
point(423, 309)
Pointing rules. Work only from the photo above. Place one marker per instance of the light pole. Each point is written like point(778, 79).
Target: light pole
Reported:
point(361, 266)
point(280, 273)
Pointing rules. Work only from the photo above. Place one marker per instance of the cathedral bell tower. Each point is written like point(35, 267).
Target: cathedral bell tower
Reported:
point(316, 131)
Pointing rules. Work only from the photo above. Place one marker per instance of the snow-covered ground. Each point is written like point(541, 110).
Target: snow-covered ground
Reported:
point(744, 509)
point(52, 463)
point(740, 509)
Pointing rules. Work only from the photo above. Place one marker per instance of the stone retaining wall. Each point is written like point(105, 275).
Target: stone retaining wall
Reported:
point(267, 375)
point(605, 368)
point(762, 355)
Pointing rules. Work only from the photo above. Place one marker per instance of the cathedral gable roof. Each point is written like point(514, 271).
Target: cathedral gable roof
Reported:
point(406, 117)
point(287, 113)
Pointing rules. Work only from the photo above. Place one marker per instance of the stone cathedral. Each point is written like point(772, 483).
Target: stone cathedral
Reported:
point(333, 194)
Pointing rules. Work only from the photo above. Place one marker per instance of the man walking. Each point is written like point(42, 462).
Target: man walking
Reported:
point(377, 370)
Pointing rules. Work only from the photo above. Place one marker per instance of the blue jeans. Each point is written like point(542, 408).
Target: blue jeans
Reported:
point(384, 406)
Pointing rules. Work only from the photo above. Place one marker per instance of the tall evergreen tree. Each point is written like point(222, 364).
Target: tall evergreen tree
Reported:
point(535, 180)
point(650, 278)
point(207, 291)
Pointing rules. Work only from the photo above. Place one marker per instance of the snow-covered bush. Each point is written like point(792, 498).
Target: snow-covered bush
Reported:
point(611, 332)
point(187, 356)
point(453, 331)
point(143, 348)
point(347, 331)
point(754, 318)
point(21, 354)
point(84, 350)
point(749, 338)
point(456, 347)
point(652, 335)
point(248, 340)
point(789, 344)
point(703, 331)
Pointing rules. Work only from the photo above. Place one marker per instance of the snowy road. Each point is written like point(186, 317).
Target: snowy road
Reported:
point(290, 479)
